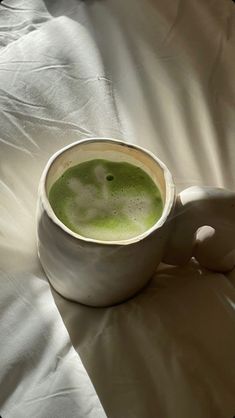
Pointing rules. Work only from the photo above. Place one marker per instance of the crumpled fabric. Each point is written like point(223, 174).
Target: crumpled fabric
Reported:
point(158, 74)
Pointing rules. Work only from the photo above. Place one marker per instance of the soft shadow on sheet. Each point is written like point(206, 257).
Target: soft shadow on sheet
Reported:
point(169, 349)
point(158, 74)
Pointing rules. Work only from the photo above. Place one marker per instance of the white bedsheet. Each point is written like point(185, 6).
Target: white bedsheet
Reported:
point(159, 74)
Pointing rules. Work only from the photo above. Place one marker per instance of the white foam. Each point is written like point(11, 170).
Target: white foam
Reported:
point(100, 173)
point(137, 208)
point(93, 202)
point(75, 185)
point(100, 204)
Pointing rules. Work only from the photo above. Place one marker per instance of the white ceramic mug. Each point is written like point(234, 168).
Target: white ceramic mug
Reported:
point(102, 273)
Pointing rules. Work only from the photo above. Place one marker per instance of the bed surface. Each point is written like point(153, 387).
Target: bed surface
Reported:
point(158, 74)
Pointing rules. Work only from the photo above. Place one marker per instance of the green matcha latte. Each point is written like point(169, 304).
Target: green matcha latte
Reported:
point(105, 200)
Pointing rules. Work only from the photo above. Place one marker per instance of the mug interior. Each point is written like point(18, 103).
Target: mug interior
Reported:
point(115, 151)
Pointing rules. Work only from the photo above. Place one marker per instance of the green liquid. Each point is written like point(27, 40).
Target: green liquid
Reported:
point(105, 200)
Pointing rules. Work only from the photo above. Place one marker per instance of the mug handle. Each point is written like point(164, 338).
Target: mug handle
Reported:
point(213, 246)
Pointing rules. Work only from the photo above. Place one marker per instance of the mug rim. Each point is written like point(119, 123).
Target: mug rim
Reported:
point(170, 193)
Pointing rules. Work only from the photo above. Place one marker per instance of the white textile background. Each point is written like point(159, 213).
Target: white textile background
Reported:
point(159, 74)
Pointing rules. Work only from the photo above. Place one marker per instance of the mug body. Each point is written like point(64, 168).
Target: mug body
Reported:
point(95, 272)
